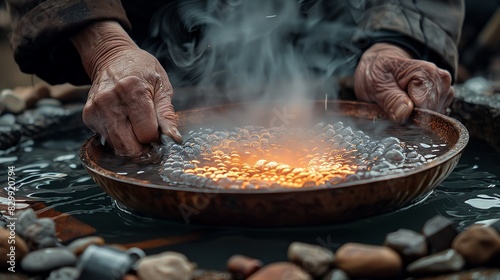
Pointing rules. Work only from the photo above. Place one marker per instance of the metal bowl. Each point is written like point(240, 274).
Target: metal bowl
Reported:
point(284, 207)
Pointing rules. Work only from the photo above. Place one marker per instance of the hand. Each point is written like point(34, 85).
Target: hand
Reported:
point(129, 103)
point(388, 76)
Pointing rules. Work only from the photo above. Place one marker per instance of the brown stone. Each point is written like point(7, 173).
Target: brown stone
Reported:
point(22, 98)
point(11, 246)
point(478, 245)
point(312, 258)
point(440, 233)
point(242, 267)
point(79, 245)
point(409, 244)
point(200, 274)
point(446, 261)
point(281, 270)
point(360, 260)
point(167, 265)
point(130, 277)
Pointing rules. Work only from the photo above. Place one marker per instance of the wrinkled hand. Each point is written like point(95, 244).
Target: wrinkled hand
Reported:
point(388, 76)
point(129, 103)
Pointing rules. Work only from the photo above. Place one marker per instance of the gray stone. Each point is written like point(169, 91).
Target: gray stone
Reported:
point(312, 258)
point(439, 232)
point(51, 102)
point(45, 260)
point(7, 119)
point(443, 262)
point(336, 274)
point(41, 234)
point(65, 273)
point(409, 244)
point(24, 219)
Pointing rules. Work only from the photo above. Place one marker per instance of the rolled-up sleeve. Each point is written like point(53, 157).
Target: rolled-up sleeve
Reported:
point(41, 33)
point(428, 28)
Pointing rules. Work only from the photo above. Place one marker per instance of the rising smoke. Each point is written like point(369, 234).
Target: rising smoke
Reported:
point(249, 49)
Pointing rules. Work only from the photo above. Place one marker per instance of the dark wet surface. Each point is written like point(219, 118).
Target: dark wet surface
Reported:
point(50, 171)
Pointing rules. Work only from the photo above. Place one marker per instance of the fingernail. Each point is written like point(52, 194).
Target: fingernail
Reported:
point(176, 134)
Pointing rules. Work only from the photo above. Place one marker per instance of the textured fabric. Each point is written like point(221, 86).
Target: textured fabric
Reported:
point(429, 29)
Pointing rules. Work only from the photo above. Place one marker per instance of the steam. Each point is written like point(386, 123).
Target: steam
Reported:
point(254, 49)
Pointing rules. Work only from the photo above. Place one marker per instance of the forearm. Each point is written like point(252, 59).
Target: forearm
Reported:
point(98, 42)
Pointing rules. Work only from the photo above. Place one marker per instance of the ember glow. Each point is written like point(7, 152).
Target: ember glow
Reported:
point(261, 158)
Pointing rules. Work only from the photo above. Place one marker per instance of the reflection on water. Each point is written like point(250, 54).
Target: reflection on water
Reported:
point(51, 172)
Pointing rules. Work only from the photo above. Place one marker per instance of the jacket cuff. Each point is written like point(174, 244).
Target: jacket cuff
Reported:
point(41, 39)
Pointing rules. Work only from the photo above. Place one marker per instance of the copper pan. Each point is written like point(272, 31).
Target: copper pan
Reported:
point(285, 207)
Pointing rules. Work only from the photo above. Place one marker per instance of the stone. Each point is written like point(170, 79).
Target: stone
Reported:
point(12, 248)
point(281, 270)
point(41, 234)
point(167, 265)
point(336, 274)
point(478, 245)
point(48, 102)
point(312, 258)
point(409, 244)
point(22, 98)
point(242, 267)
point(199, 274)
point(439, 232)
point(360, 260)
point(446, 261)
point(476, 274)
point(130, 277)
point(64, 273)
point(7, 119)
point(78, 246)
point(24, 218)
point(48, 259)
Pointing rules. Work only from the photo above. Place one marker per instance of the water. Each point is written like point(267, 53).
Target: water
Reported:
point(51, 172)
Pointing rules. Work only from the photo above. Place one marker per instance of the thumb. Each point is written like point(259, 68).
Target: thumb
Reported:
point(396, 103)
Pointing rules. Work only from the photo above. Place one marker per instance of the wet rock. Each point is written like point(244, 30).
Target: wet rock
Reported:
point(242, 267)
point(168, 265)
point(7, 119)
point(52, 102)
point(41, 234)
point(10, 136)
point(312, 258)
point(65, 273)
point(336, 274)
point(211, 275)
point(478, 245)
point(24, 219)
point(79, 245)
point(12, 248)
point(440, 233)
point(281, 270)
point(477, 274)
point(409, 244)
point(48, 259)
point(360, 260)
point(131, 277)
point(446, 261)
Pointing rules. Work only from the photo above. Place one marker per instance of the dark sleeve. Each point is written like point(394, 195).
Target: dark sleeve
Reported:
point(41, 32)
point(430, 29)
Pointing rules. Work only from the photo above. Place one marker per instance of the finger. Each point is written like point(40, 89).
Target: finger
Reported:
point(167, 119)
point(139, 108)
point(396, 104)
point(123, 140)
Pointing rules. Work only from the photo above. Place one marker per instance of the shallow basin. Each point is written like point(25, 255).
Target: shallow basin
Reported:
point(283, 207)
